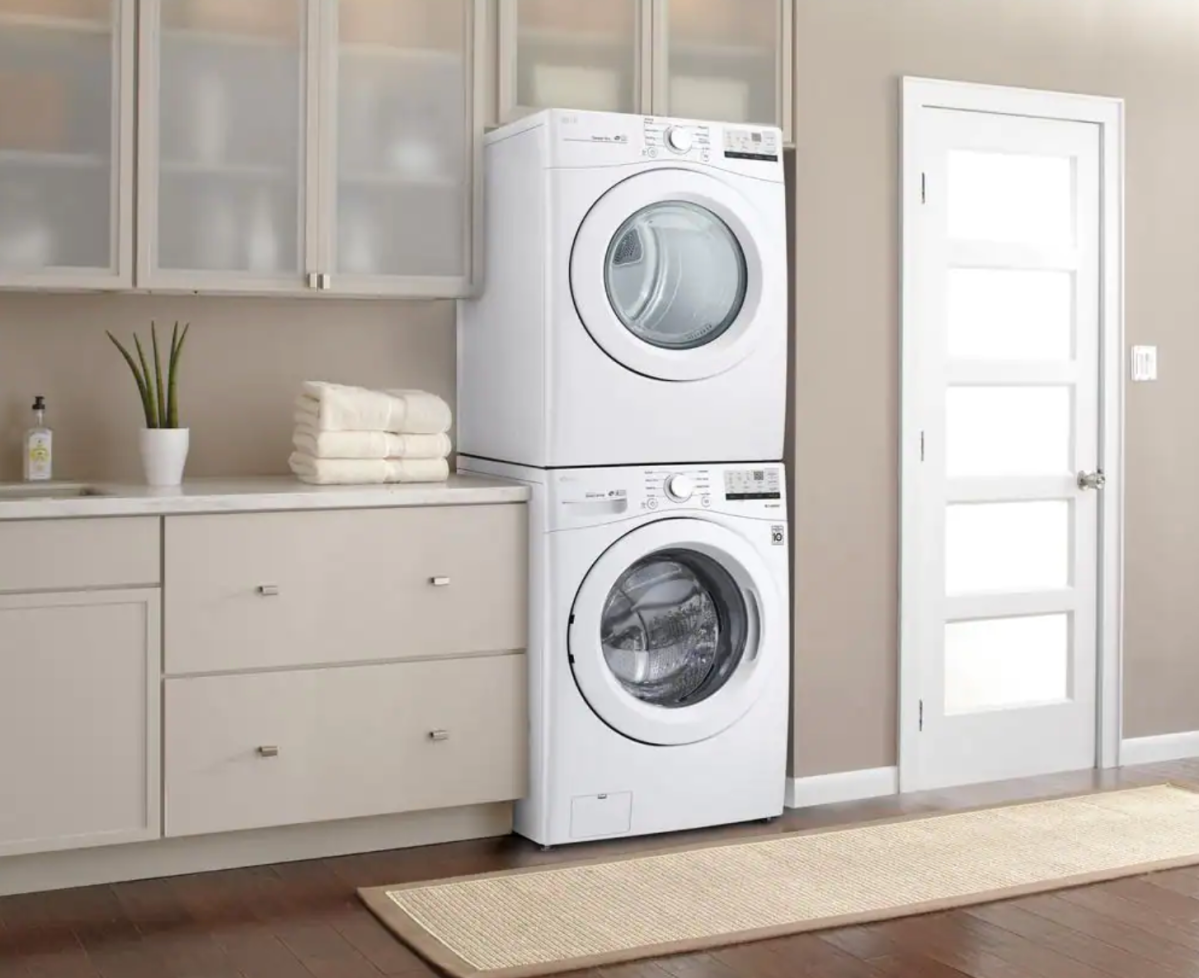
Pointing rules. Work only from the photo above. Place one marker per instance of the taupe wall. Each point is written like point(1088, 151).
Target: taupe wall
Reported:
point(850, 57)
point(243, 363)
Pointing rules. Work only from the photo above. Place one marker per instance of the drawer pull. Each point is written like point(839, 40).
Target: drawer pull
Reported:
point(439, 581)
point(439, 735)
point(268, 590)
point(268, 750)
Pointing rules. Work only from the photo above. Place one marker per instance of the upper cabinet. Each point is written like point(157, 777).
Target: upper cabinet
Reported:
point(308, 145)
point(724, 60)
point(568, 54)
point(66, 143)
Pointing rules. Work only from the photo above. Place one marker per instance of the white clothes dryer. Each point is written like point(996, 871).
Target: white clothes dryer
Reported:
point(659, 650)
point(634, 309)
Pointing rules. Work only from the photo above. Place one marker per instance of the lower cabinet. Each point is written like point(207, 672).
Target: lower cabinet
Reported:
point(277, 748)
point(79, 719)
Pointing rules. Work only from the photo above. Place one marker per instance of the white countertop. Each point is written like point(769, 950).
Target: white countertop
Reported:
point(269, 493)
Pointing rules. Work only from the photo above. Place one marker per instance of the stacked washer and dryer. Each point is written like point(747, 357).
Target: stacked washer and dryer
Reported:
point(627, 360)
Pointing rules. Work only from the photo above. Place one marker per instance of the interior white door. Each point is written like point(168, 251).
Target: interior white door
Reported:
point(1007, 335)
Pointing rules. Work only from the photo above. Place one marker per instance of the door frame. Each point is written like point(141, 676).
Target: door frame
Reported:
point(919, 94)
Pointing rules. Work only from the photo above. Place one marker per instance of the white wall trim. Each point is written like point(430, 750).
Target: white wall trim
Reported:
point(1158, 750)
point(829, 789)
point(1108, 114)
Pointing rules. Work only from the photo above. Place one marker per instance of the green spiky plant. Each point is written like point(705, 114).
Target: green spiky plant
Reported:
point(159, 391)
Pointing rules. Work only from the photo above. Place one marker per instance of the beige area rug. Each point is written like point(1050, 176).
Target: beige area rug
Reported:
point(543, 920)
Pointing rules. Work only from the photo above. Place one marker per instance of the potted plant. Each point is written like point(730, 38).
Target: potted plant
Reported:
point(163, 442)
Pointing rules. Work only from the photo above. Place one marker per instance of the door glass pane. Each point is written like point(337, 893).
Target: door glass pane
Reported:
point(675, 275)
point(402, 104)
point(1006, 431)
point(1006, 662)
point(56, 126)
point(674, 628)
point(575, 55)
point(723, 60)
point(1006, 314)
point(1010, 198)
point(1007, 546)
point(231, 136)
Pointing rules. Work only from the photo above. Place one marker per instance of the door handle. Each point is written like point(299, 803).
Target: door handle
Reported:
point(268, 590)
point(1092, 480)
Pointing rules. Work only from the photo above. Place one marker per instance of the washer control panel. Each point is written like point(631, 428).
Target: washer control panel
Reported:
point(583, 497)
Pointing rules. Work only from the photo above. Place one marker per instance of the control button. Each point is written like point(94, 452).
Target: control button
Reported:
point(651, 152)
point(706, 501)
point(679, 139)
point(680, 487)
point(652, 503)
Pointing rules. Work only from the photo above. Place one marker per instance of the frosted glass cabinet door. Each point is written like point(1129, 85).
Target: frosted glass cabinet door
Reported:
point(224, 140)
point(398, 134)
point(66, 142)
point(573, 54)
point(725, 60)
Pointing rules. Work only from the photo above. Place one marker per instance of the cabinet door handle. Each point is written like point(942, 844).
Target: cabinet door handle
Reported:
point(439, 735)
point(268, 750)
point(314, 280)
point(439, 581)
point(326, 281)
point(268, 590)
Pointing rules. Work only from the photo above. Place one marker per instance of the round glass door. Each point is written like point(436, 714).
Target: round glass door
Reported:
point(673, 628)
point(676, 275)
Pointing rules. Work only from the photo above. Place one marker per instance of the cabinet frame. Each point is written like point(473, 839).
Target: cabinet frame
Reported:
point(150, 598)
point(119, 275)
point(319, 178)
point(508, 45)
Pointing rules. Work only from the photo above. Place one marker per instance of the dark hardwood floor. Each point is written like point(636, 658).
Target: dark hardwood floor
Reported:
point(303, 920)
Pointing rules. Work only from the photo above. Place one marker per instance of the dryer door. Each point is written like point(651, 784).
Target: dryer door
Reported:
point(669, 270)
point(674, 630)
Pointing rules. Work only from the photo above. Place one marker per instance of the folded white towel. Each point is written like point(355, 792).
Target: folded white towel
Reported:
point(337, 407)
point(368, 444)
point(367, 471)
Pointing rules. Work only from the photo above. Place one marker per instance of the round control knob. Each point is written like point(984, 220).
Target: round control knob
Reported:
point(679, 139)
point(680, 488)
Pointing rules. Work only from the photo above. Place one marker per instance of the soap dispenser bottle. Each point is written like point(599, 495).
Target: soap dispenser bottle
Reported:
point(38, 445)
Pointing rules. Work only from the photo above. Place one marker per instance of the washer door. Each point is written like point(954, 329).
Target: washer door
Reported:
point(667, 275)
point(668, 634)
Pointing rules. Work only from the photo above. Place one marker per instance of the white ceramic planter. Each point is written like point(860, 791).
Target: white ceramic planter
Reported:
point(164, 454)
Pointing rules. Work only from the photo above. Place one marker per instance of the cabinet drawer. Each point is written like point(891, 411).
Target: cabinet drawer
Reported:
point(270, 590)
point(249, 751)
point(61, 555)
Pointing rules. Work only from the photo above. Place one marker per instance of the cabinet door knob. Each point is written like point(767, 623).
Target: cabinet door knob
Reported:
point(439, 735)
point(268, 750)
point(439, 581)
point(268, 590)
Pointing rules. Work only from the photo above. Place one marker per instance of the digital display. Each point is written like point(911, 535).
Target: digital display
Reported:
point(751, 484)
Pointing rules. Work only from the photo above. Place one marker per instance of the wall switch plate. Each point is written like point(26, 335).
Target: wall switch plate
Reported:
point(1144, 363)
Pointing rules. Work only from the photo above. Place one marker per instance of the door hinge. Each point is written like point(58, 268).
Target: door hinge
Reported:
point(921, 715)
point(922, 446)
point(924, 188)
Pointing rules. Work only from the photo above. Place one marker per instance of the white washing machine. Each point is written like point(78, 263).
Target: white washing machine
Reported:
point(635, 303)
point(659, 653)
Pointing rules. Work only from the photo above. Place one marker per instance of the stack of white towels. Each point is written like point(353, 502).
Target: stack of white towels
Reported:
point(353, 436)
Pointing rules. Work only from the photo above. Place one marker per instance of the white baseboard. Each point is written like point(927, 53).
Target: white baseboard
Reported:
point(199, 854)
point(1157, 750)
point(828, 789)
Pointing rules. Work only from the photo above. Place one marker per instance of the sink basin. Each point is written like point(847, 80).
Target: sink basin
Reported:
point(14, 491)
